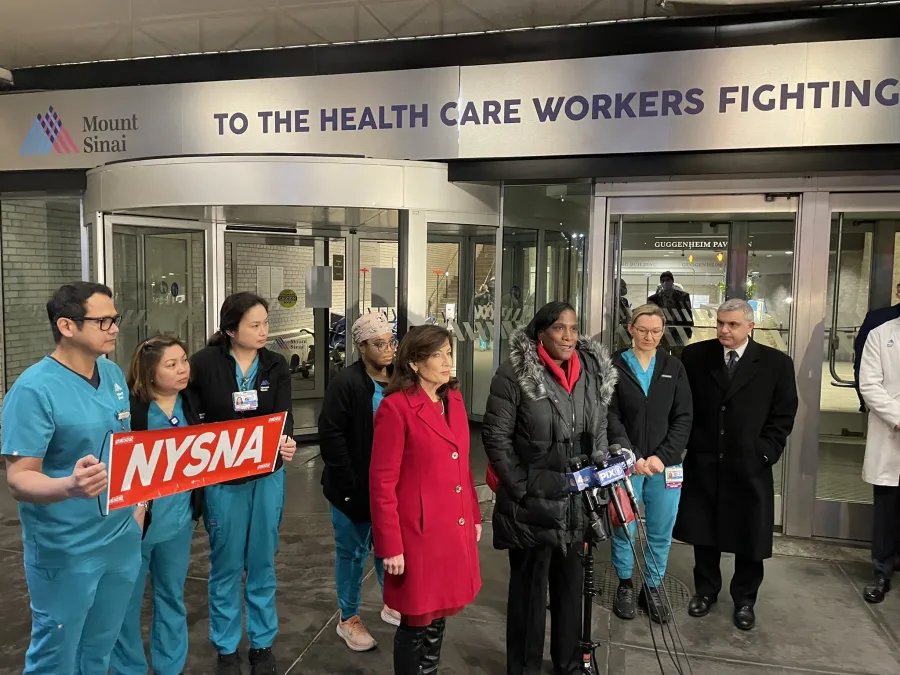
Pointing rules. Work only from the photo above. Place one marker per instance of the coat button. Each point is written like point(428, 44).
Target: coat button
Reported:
point(721, 455)
point(455, 455)
point(458, 489)
point(723, 408)
point(462, 521)
point(721, 432)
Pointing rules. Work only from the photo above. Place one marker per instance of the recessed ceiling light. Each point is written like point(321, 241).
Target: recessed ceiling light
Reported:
point(789, 253)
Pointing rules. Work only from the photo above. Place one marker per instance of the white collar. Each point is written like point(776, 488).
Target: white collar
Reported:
point(740, 350)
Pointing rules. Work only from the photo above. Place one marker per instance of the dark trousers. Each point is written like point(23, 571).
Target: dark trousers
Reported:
point(531, 571)
point(748, 576)
point(886, 534)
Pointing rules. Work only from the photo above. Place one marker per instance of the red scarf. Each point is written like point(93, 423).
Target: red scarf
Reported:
point(568, 377)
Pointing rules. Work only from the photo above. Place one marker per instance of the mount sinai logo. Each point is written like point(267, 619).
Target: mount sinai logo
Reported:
point(49, 134)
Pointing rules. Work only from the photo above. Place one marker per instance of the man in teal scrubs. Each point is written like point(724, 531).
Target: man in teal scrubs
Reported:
point(80, 566)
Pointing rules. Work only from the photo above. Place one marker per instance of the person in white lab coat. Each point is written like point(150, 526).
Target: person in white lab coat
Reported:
point(879, 385)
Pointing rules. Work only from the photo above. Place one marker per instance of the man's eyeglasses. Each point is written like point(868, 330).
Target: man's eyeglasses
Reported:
point(104, 322)
point(386, 346)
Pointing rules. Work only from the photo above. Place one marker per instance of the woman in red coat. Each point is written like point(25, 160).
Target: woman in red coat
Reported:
point(425, 517)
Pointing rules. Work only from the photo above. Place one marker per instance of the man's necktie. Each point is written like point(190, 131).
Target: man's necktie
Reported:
point(732, 363)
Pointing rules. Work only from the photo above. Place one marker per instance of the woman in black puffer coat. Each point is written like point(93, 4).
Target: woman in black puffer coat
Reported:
point(548, 404)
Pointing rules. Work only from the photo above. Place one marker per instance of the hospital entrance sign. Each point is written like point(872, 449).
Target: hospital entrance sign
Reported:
point(145, 465)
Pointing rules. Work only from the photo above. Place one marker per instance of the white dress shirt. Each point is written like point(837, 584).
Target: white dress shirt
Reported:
point(740, 351)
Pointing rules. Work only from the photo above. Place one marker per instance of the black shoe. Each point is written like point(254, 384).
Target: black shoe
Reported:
point(431, 647)
point(700, 605)
point(409, 650)
point(262, 662)
point(623, 606)
point(228, 664)
point(876, 591)
point(651, 602)
point(744, 617)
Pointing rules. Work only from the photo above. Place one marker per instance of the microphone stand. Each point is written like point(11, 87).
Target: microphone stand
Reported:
point(597, 532)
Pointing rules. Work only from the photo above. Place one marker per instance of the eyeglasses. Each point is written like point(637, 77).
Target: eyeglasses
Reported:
point(644, 332)
point(386, 346)
point(104, 322)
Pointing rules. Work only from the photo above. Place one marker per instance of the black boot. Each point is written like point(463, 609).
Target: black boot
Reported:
point(409, 650)
point(262, 662)
point(431, 653)
point(228, 664)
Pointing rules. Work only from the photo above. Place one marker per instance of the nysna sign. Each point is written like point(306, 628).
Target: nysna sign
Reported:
point(145, 465)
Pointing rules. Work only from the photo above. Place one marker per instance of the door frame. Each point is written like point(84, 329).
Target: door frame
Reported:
point(851, 520)
point(102, 231)
point(614, 209)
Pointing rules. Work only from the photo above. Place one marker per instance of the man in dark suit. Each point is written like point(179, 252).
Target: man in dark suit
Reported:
point(745, 400)
point(873, 319)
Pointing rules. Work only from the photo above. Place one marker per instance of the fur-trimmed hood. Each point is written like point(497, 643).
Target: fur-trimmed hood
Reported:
point(531, 372)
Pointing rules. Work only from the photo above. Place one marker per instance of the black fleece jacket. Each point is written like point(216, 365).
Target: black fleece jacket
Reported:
point(213, 382)
point(658, 423)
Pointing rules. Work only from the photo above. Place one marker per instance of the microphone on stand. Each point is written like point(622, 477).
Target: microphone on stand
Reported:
point(617, 450)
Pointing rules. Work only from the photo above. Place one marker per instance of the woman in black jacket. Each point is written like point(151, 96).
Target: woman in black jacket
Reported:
point(548, 404)
point(651, 413)
point(234, 377)
point(346, 430)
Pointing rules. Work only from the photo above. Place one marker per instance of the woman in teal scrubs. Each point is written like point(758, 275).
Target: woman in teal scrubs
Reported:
point(157, 381)
point(236, 377)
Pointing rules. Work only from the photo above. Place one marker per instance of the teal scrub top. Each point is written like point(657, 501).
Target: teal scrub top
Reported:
point(378, 396)
point(644, 377)
point(170, 514)
point(53, 413)
point(246, 381)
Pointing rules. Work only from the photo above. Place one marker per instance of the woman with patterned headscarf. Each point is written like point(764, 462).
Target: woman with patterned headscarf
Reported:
point(346, 429)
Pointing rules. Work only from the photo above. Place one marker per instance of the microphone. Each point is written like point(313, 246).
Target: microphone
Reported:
point(617, 450)
point(580, 481)
point(583, 477)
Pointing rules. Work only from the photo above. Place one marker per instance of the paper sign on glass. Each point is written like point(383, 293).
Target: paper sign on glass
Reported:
point(145, 465)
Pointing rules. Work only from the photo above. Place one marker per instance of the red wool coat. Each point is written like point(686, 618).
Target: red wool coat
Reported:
point(423, 503)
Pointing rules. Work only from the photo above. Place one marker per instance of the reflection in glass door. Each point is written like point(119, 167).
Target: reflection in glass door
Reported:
point(460, 293)
point(302, 307)
point(863, 275)
point(158, 278)
point(715, 248)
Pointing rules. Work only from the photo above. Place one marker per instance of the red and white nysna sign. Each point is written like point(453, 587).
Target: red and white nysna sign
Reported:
point(145, 465)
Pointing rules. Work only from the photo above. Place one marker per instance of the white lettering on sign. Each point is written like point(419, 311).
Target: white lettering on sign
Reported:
point(691, 243)
point(230, 453)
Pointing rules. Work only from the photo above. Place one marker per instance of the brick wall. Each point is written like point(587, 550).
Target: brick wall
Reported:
point(41, 248)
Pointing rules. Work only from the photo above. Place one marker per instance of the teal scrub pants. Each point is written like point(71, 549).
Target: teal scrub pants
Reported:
point(167, 563)
point(243, 522)
point(77, 611)
point(660, 510)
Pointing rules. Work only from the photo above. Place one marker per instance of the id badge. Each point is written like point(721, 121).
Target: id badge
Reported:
point(674, 477)
point(245, 401)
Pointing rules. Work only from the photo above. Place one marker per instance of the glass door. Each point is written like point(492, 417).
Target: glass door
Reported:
point(157, 270)
point(715, 248)
point(306, 306)
point(461, 295)
point(863, 275)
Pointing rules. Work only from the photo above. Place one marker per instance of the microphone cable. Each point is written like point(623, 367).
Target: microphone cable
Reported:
point(637, 563)
point(665, 627)
point(641, 531)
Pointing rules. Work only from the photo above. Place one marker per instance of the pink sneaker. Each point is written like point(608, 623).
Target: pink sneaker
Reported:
point(355, 634)
point(390, 616)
